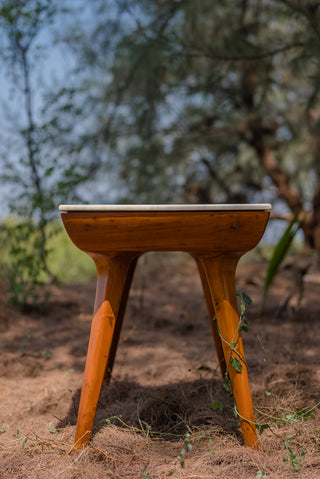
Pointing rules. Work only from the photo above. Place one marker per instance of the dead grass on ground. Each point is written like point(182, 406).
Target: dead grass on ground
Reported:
point(166, 394)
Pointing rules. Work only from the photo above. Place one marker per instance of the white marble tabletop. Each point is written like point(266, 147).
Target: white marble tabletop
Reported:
point(158, 208)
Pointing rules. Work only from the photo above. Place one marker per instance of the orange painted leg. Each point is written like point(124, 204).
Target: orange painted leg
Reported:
point(113, 283)
point(118, 325)
point(220, 273)
point(216, 337)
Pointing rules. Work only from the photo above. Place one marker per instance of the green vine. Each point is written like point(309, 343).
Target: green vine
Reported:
point(243, 326)
point(290, 417)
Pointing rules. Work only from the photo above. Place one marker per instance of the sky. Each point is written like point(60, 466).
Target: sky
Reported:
point(52, 68)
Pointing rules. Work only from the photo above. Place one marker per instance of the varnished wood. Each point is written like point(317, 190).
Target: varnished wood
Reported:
point(114, 279)
point(220, 272)
point(211, 312)
point(115, 239)
point(195, 233)
point(102, 263)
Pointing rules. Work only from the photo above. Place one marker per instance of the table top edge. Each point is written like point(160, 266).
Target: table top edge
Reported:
point(167, 208)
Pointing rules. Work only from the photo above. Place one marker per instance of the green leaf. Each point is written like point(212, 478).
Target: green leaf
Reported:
point(292, 417)
point(245, 325)
point(217, 405)
point(145, 475)
point(302, 454)
point(295, 463)
point(227, 384)
point(235, 363)
point(51, 429)
point(262, 427)
point(279, 254)
point(246, 298)
point(4, 428)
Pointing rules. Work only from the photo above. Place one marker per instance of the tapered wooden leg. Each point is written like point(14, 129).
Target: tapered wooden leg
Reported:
point(220, 274)
point(216, 337)
point(113, 284)
point(118, 325)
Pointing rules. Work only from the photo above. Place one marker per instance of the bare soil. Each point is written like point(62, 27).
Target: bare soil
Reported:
point(166, 382)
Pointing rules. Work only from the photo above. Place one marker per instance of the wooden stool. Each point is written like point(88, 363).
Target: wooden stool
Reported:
point(115, 236)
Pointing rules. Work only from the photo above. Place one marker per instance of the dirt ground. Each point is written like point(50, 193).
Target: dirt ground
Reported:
point(166, 391)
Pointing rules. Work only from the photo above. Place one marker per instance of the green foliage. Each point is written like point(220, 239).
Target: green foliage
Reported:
point(187, 447)
point(260, 474)
point(279, 418)
point(62, 252)
point(289, 417)
point(24, 268)
point(216, 405)
point(292, 456)
point(31, 282)
point(145, 475)
point(279, 254)
point(34, 162)
point(235, 363)
point(52, 429)
point(4, 428)
point(235, 359)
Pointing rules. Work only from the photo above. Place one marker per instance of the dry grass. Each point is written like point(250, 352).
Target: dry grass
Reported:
point(166, 379)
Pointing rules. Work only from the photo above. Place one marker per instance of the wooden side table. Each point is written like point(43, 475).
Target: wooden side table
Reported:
point(115, 236)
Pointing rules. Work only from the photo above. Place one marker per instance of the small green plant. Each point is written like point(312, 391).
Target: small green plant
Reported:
point(4, 428)
point(26, 263)
point(47, 354)
point(187, 447)
point(292, 456)
point(279, 254)
point(145, 475)
point(289, 417)
point(52, 429)
point(235, 358)
point(40, 172)
point(186, 439)
point(215, 404)
point(261, 474)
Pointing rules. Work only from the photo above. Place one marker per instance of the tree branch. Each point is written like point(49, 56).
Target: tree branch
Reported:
point(308, 11)
point(272, 167)
point(237, 58)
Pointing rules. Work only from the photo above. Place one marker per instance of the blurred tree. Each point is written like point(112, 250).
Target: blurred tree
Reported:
point(208, 101)
point(32, 160)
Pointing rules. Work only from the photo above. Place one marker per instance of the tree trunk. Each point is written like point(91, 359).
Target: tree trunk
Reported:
point(271, 166)
point(285, 190)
